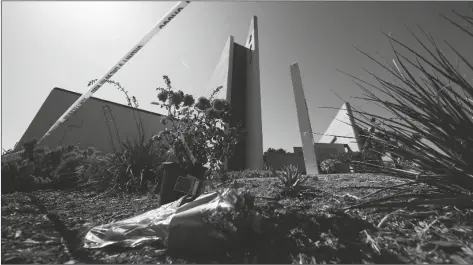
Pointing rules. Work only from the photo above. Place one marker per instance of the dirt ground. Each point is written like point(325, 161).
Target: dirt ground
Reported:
point(48, 227)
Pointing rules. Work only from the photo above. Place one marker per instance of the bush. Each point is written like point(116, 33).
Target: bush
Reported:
point(61, 168)
point(17, 176)
point(64, 176)
point(200, 134)
point(330, 166)
point(139, 166)
point(36, 170)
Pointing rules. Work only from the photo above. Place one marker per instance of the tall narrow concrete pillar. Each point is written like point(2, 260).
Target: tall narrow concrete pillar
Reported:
point(304, 122)
point(254, 143)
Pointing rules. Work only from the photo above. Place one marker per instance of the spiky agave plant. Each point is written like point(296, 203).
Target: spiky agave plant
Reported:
point(432, 127)
point(291, 179)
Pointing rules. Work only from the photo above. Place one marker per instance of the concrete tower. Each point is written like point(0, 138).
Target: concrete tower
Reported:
point(254, 145)
point(305, 129)
point(239, 74)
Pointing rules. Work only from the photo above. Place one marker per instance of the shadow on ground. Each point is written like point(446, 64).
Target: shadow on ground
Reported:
point(328, 237)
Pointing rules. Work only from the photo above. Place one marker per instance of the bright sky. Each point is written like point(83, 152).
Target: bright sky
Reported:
point(67, 44)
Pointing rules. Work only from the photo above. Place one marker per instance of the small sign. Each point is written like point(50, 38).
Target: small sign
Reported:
point(188, 184)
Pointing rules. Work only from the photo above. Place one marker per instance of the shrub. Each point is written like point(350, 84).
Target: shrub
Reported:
point(40, 169)
point(11, 173)
point(330, 166)
point(272, 150)
point(93, 170)
point(199, 134)
point(64, 176)
point(139, 165)
point(28, 148)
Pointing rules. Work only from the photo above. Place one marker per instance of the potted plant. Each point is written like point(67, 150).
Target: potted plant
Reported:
point(198, 137)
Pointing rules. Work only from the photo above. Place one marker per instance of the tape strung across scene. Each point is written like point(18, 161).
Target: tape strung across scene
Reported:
point(170, 15)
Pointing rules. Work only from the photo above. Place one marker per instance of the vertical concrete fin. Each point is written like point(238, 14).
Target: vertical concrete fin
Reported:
point(304, 121)
point(254, 143)
point(222, 74)
point(239, 74)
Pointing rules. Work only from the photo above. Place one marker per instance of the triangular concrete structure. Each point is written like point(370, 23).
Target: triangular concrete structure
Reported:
point(343, 127)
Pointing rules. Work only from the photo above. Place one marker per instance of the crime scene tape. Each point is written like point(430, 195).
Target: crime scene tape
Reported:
point(170, 15)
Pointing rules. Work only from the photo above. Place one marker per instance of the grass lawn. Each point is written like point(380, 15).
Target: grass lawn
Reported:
point(47, 227)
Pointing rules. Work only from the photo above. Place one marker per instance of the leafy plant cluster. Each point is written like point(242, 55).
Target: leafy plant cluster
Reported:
point(329, 166)
point(139, 167)
point(42, 168)
point(273, 150)
point(136, 164)
point(136, 169)
point(200, 132)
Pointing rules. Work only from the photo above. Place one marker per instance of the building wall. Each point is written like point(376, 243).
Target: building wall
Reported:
point(88, 127)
